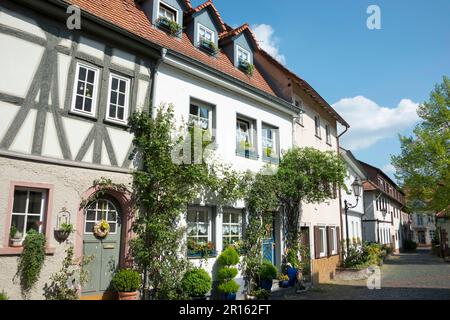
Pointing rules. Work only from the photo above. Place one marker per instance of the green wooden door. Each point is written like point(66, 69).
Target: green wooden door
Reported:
point(105, 251)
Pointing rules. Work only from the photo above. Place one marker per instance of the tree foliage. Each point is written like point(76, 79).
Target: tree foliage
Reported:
point(423, 166)
point(170, 178)
point(304, 175)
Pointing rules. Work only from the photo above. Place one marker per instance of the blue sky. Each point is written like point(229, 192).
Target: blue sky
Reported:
point(383, 73)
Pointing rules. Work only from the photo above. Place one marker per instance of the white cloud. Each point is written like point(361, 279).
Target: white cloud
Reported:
point(370, 123)
point(389, 169)
point(264, 34)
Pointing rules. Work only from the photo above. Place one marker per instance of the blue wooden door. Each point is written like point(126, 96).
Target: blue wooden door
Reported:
point(105, 251)
point(268, 247)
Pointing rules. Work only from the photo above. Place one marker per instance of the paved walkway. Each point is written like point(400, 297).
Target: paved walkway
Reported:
point(407, 276)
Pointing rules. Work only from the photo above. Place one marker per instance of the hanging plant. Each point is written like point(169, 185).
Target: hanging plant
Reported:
point(31, 260)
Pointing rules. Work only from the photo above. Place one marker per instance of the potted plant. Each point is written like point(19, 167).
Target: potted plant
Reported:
point(64, 231)
point(227, 272)
point(284, 281)
point(172, 26)
point(196, 283)
point(16, 237)
point(267, 273)
point(208, 45)
point(126, 282)
point(200, 250)
point(292, 266)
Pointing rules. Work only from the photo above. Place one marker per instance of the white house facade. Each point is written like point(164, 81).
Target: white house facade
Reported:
point(65, 98)
point(352, 221)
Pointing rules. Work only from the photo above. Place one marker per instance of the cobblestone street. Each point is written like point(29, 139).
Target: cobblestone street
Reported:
point(405, 276)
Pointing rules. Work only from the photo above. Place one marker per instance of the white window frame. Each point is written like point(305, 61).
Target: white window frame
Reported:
point(110, 203)
point(170, 7)
point(334, 241)
point(252, 134)
point(200, 26)
point(209, 221)
point(199, 104)
point(317, 127)
point(328, 134)
point(239, 48)
point(299, 104)
point(94, 94)
point(41, 215)
point(229, 223)
point(127, 98)
point(324, 238)
point(274, 140)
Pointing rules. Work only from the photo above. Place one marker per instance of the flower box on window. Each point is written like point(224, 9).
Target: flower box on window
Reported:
point(201, 250)
point(208, 46)
point(247, 67)
point(169, 25)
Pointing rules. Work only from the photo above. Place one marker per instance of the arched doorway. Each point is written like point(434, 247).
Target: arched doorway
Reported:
point(105, 251)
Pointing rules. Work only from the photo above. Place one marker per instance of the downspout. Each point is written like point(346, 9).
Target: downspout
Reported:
point(154, 82)
point(340, 196)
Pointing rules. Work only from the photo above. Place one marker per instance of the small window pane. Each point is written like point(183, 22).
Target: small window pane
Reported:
point(112, 227)
point(202, 230)
point(121, 99)
point(120, 113)
point(235, 218)
point(87, 105)
point(20, 200)
point(82, 74)
point(33, 223)
point(91, 76)
point(204, 113)
point(113, 97)
point(34, 205)
point(192, 229)
point(112, 111)
point(226, 229)
point(79, 103)
point(89, 227)
point(194, 110)
point(122, 86)
point(112, 216)
point(19, 222)
point(226, 217)
point(192, 216)
point(202, 216)
point(90, 215)
point(80, 88)
point(115, 84)
point(89, 90)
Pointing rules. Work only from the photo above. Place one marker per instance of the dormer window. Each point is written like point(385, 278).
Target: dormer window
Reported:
point(243, 60)
point(206, 39)
point(243, 56)
point(168, 19)
point(167, 12)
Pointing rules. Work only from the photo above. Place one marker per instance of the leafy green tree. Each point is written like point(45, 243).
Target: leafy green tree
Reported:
point(172, 175)
point(304, 175)
point(423, 166)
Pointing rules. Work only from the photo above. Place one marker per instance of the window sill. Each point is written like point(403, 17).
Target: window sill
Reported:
point(200, 255)
point(83, 114)
point(17, 251)
point(123, 124)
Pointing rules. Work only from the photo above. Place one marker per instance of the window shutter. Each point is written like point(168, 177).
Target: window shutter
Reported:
point(338, 240)
point(329, 241)
point(316, 242)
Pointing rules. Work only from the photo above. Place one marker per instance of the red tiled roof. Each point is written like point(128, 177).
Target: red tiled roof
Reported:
point(234, 32)
point(209, 3)
point(129, 16)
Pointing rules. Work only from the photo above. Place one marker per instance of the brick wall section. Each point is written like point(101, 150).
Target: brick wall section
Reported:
point(324, 269)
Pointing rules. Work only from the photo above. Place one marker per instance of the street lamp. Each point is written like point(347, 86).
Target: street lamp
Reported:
point(357, 189)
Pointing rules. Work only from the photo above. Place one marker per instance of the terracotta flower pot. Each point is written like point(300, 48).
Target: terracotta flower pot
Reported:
point(128, 295)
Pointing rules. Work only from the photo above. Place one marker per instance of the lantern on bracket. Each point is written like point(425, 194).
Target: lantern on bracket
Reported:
point(64, 227)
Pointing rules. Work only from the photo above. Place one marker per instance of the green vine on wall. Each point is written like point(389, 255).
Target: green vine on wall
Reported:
point(31, 261)
point(103, 186)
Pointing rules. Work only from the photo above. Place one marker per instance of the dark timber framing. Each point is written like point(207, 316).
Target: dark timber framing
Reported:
point(45, 86)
